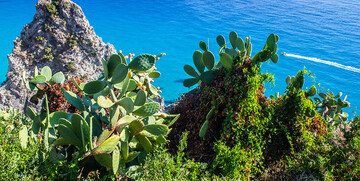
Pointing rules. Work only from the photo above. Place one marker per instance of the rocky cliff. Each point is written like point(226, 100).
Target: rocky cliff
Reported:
point(60, 37)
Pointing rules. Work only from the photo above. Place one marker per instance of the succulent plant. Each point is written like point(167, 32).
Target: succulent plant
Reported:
point(42, 82)
point(227, 57)
point(269, 50)
point(331, 106)
point(122, 100)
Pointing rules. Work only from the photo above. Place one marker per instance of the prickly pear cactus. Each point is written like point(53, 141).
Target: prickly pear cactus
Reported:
point(121, 100)
point(238, 50)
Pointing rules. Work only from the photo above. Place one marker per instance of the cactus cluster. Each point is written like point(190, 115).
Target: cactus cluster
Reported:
point(41, 82)
point(269, 50)
point(239, 51)
point(331, 106)
point(121, 99)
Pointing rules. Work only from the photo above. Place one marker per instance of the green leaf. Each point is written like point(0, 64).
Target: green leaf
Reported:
point(120, 73)
point(77, 124)
point(191, 71)
point(232, 52)
point(145, 143)
point(104, 102)
point(46, 71)
point(157, 129)
point(105, 67)
point(142, 62)
point(275, 58)
point(136, 126)
point(55, 116)
point(190, 82)
point(148, 109)
point(124, 87)
point(124, 121)
point(58, 78)
point(39, 79)
point(105, 160)
point(154, 74)
point(270, 42)
point(23, 136)
point(132, 85)
point(36, 125)
point(239, 42)
point(65, 122)
point(115, 160)
point(103, 136)
point(140, 98)
point(207, 77)
point(94, 87)
point(202, 45)
point(209, 59)
point(204, 129)
point(30, 113)
point(74, 99)
point(176, 117)
point(107, 146)
point(60, 142)
point(198, 62)
point(226, 61)
point(220, 40)
point(232, 37)
point(69, 135)
point(127, 103)
point(112, 63)
point(123, 60)
point(131, 157)
point(209, 114)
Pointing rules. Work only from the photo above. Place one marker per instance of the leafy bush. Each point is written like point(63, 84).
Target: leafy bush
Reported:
point(161, 165)
point(16, 160)
point(253, 136)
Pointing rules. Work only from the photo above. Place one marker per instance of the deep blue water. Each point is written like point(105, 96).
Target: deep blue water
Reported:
point(319, 34)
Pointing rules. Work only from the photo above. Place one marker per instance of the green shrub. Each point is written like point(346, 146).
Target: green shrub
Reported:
point(255, 137)
point(161, 165)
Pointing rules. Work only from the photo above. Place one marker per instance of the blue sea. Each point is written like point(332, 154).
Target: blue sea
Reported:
point(321, 35)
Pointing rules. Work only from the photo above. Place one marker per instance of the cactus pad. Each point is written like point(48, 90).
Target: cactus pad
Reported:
point(94, 87)
point(142, 62)
point(191, 71)
point(198, 62)
point(58, 78)
point(209, 60)
point(148, 109)
point(157, 129)
point(190, 82)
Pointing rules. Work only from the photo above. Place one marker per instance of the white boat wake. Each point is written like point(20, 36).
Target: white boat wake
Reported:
point(350, 68)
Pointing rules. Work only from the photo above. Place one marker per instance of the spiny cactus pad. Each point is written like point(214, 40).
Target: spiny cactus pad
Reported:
point(142, 62)
point(198, 62)
point(157, 129)
point(148, 109)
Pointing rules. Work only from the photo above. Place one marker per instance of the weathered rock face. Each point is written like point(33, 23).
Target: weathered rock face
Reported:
point(60, 37)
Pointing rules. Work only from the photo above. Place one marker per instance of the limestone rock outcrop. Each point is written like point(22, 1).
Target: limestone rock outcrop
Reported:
point(60, 37)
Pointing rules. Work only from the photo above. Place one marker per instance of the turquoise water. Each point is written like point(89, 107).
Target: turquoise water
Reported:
point(322, 35)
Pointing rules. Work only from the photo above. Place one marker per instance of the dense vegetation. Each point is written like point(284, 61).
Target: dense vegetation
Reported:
point(223, 129)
